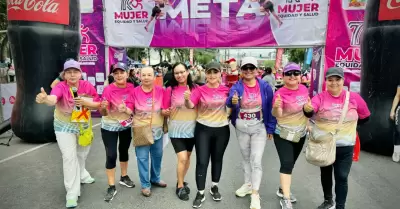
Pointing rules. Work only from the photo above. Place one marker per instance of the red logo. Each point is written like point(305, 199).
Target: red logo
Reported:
point(389, 10)
point(12, 99)
point(50, 11)
point(3, 101)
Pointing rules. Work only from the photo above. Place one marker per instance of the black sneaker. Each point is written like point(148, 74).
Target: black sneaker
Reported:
point(198, 201)
point(182, 194)
point(185, 184)
point(126, 181)
point(280, 194)
point(111, 192)
point(327, 204)
point(215, 194)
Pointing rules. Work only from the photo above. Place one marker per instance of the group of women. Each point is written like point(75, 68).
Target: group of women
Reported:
point(199, 117)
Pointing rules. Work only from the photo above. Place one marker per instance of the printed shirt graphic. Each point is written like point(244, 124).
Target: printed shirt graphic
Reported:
point(293, 118)
point(328, 110)
point(251, 103)
point(115, 97)
point(210, 102)
point(65, 105)
point(142, 101)
point(182, 120)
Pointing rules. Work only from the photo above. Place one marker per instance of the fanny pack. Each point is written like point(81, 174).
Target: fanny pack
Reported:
point(293, 136)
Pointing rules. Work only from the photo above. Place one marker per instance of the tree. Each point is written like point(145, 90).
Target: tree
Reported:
point(137, 53)
point(296, 55)
point(182, 55)
point(269, 63)
point(3, 26)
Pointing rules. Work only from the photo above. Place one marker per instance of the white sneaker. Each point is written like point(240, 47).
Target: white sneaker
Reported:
point(396, 154)
point(255, 201)
point(244, 190)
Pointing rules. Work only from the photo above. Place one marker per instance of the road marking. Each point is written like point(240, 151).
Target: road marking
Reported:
point(32, 149)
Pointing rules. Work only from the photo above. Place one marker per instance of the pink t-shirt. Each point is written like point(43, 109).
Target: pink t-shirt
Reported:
point(293, 118)
point(65, 104)
point(182, 120)
point(251, 104)
point(210, 102)
point(142, 101)
point(115, 97)
point(328, 110)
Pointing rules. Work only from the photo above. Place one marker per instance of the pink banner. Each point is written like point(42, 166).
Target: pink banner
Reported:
point(345, 26)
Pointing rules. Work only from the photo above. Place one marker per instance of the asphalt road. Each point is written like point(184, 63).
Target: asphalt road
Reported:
point(34, 180)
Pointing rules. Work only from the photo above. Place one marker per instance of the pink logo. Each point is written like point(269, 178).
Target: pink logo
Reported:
point(3, 101)
point(12, 99)
point(131, 4)
point(84, 34)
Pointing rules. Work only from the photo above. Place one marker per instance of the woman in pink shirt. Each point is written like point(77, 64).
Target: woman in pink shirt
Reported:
point(290, 132)
point(326, 107)
point(144, 97)
point(116, 123)
point(182, 122)
point(67, 132)
point(211, 132)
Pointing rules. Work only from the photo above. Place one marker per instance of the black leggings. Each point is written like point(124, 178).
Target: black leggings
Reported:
point(209, 142)
point(110, 140)
point(341, 169)
point(288, 152)
point(396, 124)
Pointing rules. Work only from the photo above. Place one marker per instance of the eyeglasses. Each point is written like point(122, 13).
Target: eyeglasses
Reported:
point(249, 67)
point(290, 73)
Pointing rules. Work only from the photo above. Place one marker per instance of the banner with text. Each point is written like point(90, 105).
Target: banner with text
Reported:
point(345, 27)
point(92, 53)
point(116, 55)
point(217, 23)
point(316, 69)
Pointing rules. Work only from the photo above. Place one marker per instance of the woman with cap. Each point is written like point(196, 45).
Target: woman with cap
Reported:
point(211, 132)
point(182, 122)
point(67, 132)
point(251, 102)
point(290, 132)
point(116, 109)
point(326, 107)
point(147, 102)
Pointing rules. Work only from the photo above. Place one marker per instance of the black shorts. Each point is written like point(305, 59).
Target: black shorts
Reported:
point(181, 144)
point(269, 6)
point(156, 11)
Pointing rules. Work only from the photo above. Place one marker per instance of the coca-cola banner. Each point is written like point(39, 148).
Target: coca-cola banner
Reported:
point(217, 23)
point(389, 10)
point(92, 53)
point(50, 11)
point(345, 26)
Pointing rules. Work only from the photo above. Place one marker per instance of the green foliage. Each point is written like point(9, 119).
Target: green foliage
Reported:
point(3, 26)
point(269, 63)
point(296, 55)
point(137, 54)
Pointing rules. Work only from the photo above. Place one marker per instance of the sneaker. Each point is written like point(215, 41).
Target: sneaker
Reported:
point(198, 201)
point(182, 193)
point(286, 203)
point(327, 204)
point(126, 181)
point(89, 180)
point(185, 184)
point(244, 190)
point(111, 192)
point(215, 194)
point(280, 194)
point(255, 201)
point(71, 204)
point(396, 157)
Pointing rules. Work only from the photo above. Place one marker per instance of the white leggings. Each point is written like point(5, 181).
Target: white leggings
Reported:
point(252, 140)
point(74, 157)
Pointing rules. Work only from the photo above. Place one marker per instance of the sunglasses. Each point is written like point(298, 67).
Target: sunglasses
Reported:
point(290, 73)
point(248, 67)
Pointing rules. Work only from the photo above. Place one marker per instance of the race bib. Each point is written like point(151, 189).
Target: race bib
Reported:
point(250, 116)
point(127, 122)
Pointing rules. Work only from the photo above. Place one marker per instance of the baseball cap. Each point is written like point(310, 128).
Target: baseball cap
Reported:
point(291, 67)
point(71, 63)
point(120, 66)
point(213, 65)
point(335, 71)
point(249, 61)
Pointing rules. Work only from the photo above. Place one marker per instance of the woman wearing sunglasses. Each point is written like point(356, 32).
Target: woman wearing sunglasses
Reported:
point(211, 132)
point(251, 115)
point(290, 132)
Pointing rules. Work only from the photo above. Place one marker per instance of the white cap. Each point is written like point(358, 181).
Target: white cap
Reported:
point(249, 60)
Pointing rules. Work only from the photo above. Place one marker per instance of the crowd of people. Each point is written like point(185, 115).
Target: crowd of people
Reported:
point(196, 110)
